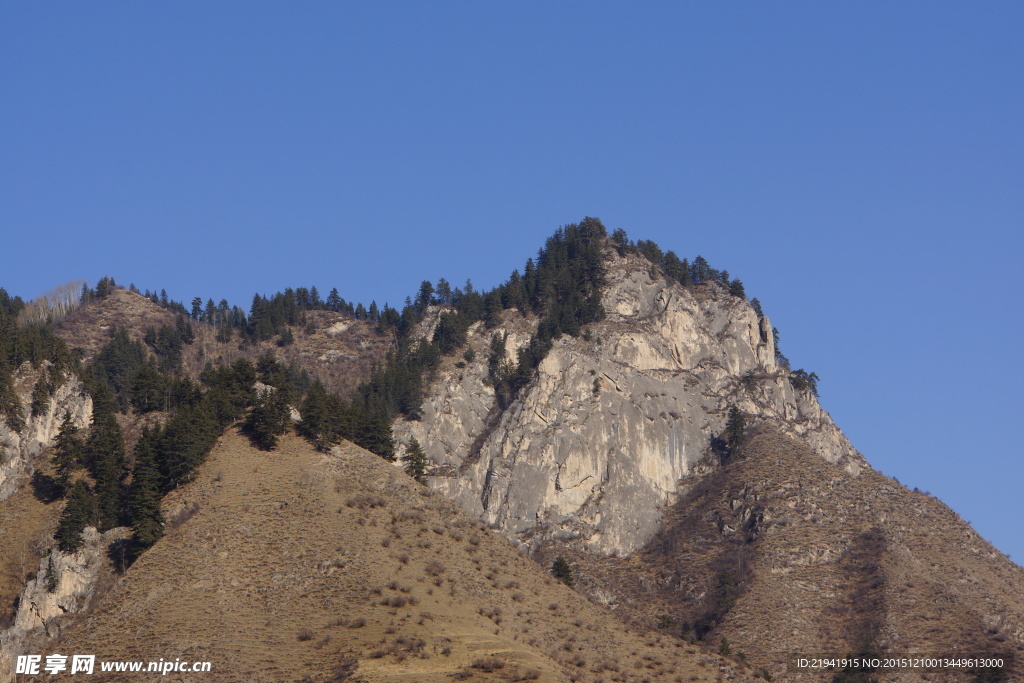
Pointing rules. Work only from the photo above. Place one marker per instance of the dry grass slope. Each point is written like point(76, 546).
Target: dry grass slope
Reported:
point(818, 561)
point(25, 526)
point(295, 565)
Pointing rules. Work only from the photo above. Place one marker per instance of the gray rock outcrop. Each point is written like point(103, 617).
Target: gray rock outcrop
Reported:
point(594, 448)
point(19, 450)
point(64, 585)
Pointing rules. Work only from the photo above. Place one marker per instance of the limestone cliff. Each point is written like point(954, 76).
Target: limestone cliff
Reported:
point(594, 448)
point(64, 585)
point(20, 449)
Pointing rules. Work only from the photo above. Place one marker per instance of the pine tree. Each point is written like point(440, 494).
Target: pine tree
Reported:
point(415, 461)
point(210, 313)
point(287, 337)
point(267, 420)
point(735, 430)
point(315, 422)
point(374, 434)
point(41, 393)
point(67, 452)
point(79, 512)
point(801, 379)
point(334, 301)
point(105, 450)
point(756, 304)
point(700, 272)
point(144, 497)
point(444, 292)
point(561, 570)
point(675, 269)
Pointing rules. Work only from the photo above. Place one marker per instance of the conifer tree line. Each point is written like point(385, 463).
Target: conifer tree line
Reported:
point(268, 317)
point(35, 343)
point(106, 486)
point(103, 486)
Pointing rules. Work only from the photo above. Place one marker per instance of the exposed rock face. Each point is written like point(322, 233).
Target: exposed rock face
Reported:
point(594, 448)
point(18, 450)
point(63, 585)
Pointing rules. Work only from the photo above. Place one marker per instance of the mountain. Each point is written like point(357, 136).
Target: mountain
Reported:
point(598, 442)
point(612, 411)
point(613, 456)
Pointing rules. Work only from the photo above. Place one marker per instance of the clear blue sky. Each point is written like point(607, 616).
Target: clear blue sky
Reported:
point(859, 165)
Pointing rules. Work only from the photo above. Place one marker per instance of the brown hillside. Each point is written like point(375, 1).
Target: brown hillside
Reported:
point(333, 347)
point(26, 524)
point(293, 565)
point(809, 559)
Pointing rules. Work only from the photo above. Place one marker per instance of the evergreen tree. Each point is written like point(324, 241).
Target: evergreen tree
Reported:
point(424, 297)
point(150, 390)
point(443, 295)
point(373, 432)
point(185, 330)
point(780, 358)
point(41, 393)
point(287, 337)
point(79, 512)
point(67, 452)
point(104, 287)
point(105, 452)
point(117, 364)
point(315, 424)
point(801, 379)
point(651, 251)
point(268, 419)
point(334, 301)
point(562, 571)
point(144, 496)
point(756, 304)
point(415, 461)
point(210, 314)
point(700, 272)
point(736, 289)
point(735, 430)
point(675, 269)
point(450, 333)
point(621, 240)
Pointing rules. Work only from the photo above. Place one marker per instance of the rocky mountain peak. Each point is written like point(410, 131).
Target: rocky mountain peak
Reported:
point(596, 445)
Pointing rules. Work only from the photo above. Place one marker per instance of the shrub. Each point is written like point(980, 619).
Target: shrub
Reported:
point(488, 664)
point(365, 500)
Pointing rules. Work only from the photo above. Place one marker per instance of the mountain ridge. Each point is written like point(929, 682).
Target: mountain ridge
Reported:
point(594, 428)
